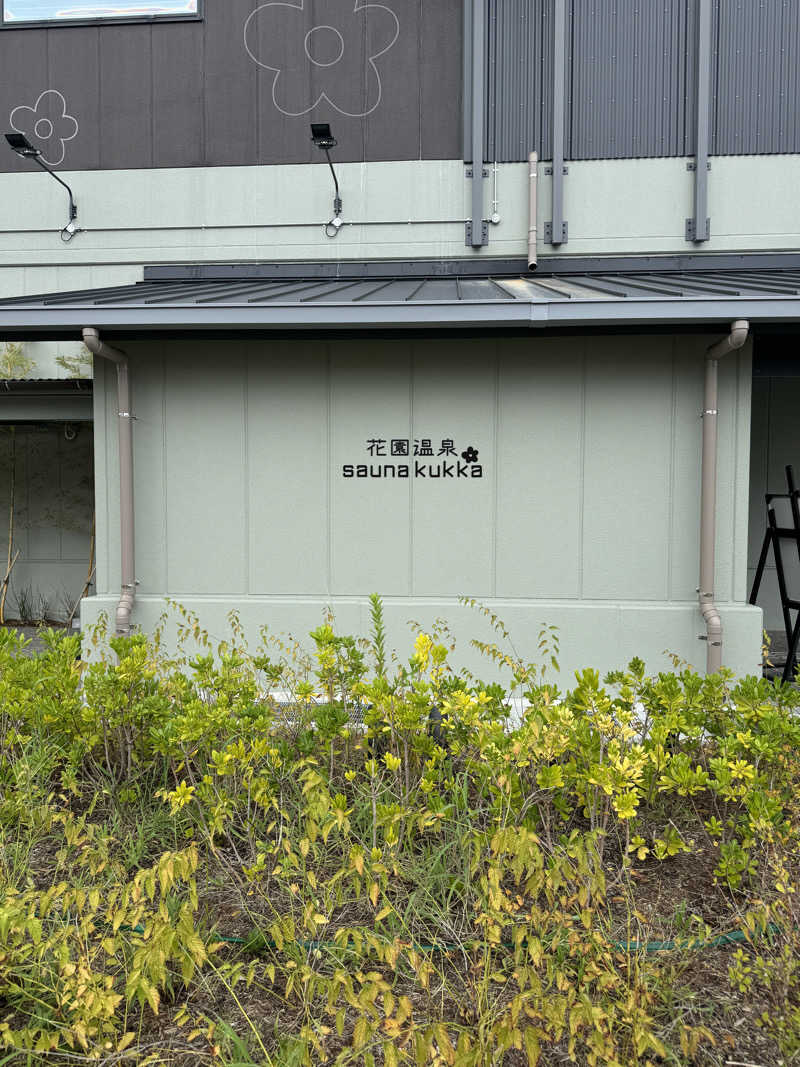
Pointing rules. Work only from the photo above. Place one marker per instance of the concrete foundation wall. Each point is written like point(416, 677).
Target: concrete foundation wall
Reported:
point(585, 516)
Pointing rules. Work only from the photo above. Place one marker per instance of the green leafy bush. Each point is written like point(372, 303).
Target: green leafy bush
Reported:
point(403, 863)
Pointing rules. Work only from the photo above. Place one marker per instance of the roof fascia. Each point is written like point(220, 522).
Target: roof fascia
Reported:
point(458, 314)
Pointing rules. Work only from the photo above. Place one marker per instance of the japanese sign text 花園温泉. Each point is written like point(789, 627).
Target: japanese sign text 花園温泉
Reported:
point(417, 457)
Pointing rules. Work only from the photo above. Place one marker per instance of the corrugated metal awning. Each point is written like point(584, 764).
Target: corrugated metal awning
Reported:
point(556, 300)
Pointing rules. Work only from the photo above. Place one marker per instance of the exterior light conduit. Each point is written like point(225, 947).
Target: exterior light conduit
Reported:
point(91, 338)
point(708, 495)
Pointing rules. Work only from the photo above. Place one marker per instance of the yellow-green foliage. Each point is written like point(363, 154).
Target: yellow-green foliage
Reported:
point(427, 872)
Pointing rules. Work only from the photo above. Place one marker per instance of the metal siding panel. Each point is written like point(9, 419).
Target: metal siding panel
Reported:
point(188, 94)
point(178, 74)
point(23, 61)
point(756, 79)
point(395, 140)
point(440, 78)
point(73, 61)
point(629, 79)
point(626, 81)
point(230, 102)
point(126, 97)
point(519, 76)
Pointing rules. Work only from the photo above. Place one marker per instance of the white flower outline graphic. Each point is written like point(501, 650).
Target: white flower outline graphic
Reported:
point(37, 125)
point(295, 10)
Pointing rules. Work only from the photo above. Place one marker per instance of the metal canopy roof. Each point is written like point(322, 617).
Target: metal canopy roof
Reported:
point(557, 300)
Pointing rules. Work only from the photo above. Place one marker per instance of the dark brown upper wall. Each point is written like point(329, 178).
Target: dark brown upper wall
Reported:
point(190, 94)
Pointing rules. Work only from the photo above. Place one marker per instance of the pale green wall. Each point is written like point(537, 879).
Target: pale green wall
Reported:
point(587, 516)
point(392, 210)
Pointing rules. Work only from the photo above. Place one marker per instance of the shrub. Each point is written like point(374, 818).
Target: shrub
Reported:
point(396, 860)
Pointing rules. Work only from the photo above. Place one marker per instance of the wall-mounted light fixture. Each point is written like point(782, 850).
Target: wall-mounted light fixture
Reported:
point(22, 146)
point(323, 138)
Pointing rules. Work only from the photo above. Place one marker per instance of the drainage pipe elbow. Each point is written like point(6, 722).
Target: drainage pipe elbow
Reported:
point(91, 338)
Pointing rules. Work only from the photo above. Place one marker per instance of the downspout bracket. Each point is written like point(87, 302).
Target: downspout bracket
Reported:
point(548, 233)
point(468, 241)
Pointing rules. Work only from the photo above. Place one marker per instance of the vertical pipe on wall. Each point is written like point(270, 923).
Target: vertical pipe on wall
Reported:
point(558, 235)
point(467, 80)
point(91, 338)
point(533, 160)
point(708, 493)
point(478, 115)
point(699, 228)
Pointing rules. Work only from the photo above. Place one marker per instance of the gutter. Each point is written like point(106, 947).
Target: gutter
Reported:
point(91, 338)
point(708, 493)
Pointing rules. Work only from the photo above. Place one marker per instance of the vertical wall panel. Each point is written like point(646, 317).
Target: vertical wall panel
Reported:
point(686, 450)
point(454, 519)
point(370, 526)
point(231, 128)
point(627, 465)
point(440, 103)
point(177, 120)
point(149, 490)
point(382, 141)
point(288, 463)
point(206, 483)
point(126, 97)
point(540, 449)
point(73, 63)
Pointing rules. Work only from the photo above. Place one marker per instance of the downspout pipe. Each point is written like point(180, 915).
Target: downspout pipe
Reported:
point(708, 494)
point(91, 338)
point(533, 162)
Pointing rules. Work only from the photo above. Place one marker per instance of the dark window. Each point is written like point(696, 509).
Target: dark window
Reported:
point(47, 12)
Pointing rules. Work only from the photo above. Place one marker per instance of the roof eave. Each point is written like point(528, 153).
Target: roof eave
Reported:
point(627, 312)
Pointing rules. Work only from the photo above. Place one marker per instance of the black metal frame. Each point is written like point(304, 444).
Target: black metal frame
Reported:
point(107, 20)
point(772, 540)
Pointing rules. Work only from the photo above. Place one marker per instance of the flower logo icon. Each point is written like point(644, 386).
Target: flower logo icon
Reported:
point(307, 56)
point(470, 455)
point(46, 125)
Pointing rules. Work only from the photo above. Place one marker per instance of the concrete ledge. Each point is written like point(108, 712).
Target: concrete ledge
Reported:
point(600, 634)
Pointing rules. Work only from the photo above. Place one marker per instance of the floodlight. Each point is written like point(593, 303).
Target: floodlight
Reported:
point(20, 144)
point(323, 138)
point(321, 135)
